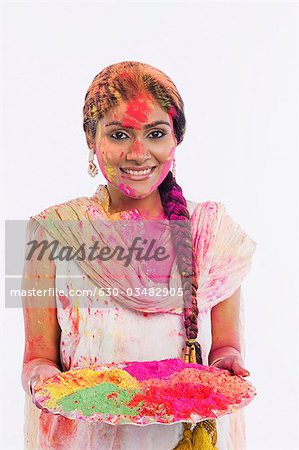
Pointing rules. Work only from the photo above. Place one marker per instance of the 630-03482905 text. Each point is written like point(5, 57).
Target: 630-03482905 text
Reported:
point(97, 291)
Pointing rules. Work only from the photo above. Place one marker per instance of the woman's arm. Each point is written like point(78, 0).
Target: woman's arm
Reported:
point(226, 347)
point(42, 331)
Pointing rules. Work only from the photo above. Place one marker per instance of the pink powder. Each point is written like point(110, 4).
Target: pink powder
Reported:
point(157, 369)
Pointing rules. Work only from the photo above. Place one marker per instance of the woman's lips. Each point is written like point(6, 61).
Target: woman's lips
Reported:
point(137, 177)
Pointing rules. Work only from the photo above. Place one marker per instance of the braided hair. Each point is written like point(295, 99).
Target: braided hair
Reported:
point(122, 81)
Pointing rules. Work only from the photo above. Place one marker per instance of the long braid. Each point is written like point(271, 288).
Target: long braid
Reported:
point(204, 434)
point(175, 208)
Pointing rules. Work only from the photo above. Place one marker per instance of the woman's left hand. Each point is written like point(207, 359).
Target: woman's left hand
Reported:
point(231, 362)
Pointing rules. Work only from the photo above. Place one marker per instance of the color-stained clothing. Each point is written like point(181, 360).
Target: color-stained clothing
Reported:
point(99, 329)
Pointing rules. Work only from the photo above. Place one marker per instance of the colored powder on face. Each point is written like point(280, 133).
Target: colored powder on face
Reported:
point(105, 398)
point(137, 111)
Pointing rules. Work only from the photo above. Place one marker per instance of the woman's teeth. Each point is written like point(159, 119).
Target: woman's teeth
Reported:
point(138, 172)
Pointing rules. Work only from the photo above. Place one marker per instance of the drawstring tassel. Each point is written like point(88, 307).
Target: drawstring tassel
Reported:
point(185, 443)
point(204, 435)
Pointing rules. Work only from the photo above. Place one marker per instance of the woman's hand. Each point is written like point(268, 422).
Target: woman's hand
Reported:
point(230, 359)
point(45, 372)
point(233, 363)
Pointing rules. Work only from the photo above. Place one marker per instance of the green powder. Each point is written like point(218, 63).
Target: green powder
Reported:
point(94, 400)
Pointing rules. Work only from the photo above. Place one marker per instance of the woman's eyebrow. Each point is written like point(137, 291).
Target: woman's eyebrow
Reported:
point(148, 125)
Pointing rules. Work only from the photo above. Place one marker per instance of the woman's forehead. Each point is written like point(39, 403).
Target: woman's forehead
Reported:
point(135, 113)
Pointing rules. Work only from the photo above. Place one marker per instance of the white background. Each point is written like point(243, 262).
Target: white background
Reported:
point(236, 67)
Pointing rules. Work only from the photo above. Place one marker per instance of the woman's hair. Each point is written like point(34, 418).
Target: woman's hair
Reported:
point(122, 81)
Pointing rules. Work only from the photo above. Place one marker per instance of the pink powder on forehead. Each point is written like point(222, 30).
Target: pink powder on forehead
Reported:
point(137, 111)
point(157, 369)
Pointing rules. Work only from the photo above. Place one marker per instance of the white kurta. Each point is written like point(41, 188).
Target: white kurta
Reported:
point(103, 331)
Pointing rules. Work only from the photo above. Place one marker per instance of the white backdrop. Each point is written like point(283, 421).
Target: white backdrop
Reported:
point(236, 66)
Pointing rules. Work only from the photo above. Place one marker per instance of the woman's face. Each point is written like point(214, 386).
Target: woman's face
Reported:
point(136, 135)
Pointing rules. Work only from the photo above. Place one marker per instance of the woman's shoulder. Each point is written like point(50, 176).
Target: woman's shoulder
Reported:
point(205, 206)
point(59, 208)
point(215, 216)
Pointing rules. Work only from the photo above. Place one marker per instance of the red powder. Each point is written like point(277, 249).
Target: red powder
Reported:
point(76, 321)
point(51, 438)
point(64, 300)
point(137, 111)
point(168, 400)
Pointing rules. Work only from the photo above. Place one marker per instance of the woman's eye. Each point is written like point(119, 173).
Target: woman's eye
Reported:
point(157, 131)
point(120, 135)
point(117, 135)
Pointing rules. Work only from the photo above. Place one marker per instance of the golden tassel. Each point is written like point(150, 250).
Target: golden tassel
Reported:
point(204, 434)
point(185, 443)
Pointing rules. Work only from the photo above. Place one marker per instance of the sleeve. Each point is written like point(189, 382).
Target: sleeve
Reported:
point(38, 320)
point(38, 272)
point(226, 261)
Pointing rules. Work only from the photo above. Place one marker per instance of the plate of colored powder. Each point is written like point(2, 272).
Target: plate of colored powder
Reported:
point(145, 392)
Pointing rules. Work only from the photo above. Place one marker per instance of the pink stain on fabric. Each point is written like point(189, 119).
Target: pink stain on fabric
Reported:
point(64, 301)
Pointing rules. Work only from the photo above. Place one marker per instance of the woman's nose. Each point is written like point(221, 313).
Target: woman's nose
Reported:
point(137, 152)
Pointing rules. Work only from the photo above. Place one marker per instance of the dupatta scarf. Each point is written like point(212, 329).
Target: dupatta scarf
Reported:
point(221, 249)
point(82, 222)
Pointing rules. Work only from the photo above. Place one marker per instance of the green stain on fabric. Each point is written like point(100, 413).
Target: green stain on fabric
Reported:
point(94, 400)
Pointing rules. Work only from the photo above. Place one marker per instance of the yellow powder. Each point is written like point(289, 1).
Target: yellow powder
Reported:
point(75, 380)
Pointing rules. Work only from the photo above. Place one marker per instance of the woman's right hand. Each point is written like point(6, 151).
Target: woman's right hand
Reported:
point(44, 373)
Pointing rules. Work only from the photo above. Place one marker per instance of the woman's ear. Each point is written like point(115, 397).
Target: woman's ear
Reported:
point(175, 140)
point(89, 139)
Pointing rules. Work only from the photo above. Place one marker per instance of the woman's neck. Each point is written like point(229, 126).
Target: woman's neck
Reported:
point(149, 207)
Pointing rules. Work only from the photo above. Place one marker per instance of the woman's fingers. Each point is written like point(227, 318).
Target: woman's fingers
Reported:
point(238, 369)
point(233, 363)
point(37, 404)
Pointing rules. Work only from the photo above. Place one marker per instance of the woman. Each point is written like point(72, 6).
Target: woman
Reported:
point(134, 120)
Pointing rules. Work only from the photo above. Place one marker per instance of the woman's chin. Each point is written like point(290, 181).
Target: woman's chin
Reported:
point(137, 189)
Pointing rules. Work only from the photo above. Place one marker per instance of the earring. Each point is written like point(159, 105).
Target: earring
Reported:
point(173, 170)
point(92, 168)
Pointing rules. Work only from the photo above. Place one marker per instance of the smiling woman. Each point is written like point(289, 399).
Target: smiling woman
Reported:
point(134, 120)
point(135, 147)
